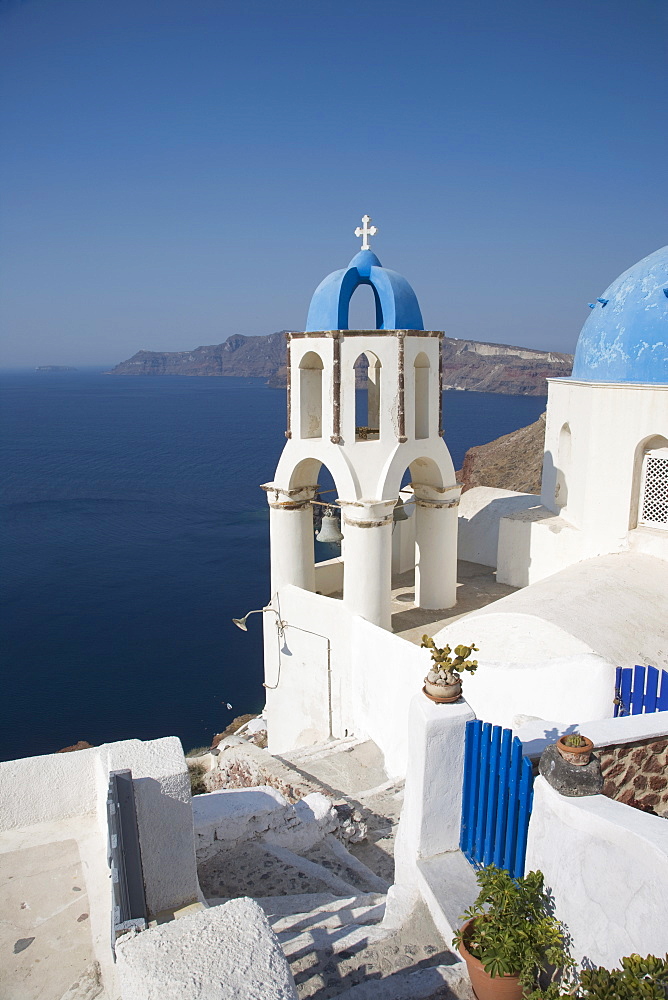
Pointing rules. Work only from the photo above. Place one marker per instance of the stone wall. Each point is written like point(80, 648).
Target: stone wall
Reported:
point(637, 774)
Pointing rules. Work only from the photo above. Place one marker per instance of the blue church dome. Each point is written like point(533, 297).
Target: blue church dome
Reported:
point(396, 303)
point(625, 338)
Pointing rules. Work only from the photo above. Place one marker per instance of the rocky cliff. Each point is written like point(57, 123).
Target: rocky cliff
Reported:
point(511, 462)
point(467, 364)
point(238, 355)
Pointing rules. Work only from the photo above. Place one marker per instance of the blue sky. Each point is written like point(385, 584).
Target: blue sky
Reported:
point(175, 171)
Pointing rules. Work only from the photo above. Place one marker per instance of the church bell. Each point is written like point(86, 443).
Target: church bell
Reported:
point(399, 513)
point(330, 531)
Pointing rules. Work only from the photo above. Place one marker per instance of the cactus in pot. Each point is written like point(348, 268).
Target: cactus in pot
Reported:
point(443, 682)
point(575, 748)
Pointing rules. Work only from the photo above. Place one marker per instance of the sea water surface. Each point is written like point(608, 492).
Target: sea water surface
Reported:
point(134, 530)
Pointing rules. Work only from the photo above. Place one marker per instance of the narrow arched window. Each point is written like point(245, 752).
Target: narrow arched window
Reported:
point(367, 397)
point(310, 395)
point(653, 506)
point(421, 384)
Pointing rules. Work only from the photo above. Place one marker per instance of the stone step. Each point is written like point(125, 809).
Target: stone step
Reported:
point(330, 941)
point(319, 750)
point(325, 961)
point(255, 870)
point(334, 857)
point(440, 982)
point(313, 868)
point(355, 910)
point(309, 902)
point(301, 902)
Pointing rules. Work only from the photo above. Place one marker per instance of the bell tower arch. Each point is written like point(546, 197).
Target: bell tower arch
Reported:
point(402, 429)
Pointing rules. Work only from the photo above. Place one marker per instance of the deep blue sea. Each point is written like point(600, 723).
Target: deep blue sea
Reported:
point(134, 530)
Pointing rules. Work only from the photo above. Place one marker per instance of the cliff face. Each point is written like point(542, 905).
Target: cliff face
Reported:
point(262, 357)
point(511, 462)
point(518, 371)
point(467, 364)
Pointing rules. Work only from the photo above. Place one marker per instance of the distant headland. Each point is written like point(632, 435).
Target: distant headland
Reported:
point(467, 364)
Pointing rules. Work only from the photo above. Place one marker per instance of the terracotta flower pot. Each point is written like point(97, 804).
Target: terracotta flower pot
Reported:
point(485, 986)
point(442, 693)
point(575, 755)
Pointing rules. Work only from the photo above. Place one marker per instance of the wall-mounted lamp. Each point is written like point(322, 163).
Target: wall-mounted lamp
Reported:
point(241, 622)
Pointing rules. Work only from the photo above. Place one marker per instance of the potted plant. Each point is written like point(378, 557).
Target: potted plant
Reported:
point(645, 978)
point(443, 682)
point(511, 938)
point(575, 748)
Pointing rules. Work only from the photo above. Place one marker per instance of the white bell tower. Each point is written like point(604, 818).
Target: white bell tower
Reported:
point(367, 439)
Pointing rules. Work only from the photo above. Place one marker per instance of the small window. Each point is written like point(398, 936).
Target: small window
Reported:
point(654, 489)
point(421, 396)
point(367, 397)
point(310, 395)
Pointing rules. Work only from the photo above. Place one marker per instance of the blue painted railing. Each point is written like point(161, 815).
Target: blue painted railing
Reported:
point(497, 798)
point(640, 690)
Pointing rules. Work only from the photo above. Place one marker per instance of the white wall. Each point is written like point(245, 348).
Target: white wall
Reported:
point(432, 812)
point(480, 511)
point(59, 786)
point(387, 671)
point(164, 816)
point(594, 437)
point(296, 678)
point(329, 576)
point(48, 788)
point(231, 816)
point(374, 675)
point(607, 866)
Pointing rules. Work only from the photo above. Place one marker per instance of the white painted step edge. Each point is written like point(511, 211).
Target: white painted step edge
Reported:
point(372, 880)
point(299, 923)
point(307, 902)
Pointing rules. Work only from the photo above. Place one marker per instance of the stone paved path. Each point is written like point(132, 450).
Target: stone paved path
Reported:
point(331, 931)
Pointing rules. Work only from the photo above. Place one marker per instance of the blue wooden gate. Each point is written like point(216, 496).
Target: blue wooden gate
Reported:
point(640, 690)
point(497, 797)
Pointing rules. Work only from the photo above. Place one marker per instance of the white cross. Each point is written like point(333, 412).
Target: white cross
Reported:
point(365, 232)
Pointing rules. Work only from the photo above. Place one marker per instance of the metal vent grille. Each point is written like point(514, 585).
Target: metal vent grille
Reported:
point(655, 492)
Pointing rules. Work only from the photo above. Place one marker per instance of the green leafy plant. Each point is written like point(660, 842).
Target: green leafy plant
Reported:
point(515, 933)
point(446, 668)
point(638, 979)
point(574, 740)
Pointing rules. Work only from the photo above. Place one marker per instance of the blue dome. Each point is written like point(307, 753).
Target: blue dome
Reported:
point(625, 338)
point(396, 303)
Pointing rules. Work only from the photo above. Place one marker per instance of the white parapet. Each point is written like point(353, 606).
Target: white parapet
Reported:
point(606, 865)
point(431, 817)
point(54, 787)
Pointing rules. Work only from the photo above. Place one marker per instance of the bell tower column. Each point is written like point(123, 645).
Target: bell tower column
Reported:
point(291, 536)
point(436, 545)
point(367, 560)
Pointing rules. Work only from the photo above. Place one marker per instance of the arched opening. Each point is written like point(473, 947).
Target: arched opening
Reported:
point(363, 309)
point(367, 397)
point(563, 467)
point(424, 546)
point(421, 385)
point(309, 472)
point(310, 395)
point(650, 484)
